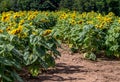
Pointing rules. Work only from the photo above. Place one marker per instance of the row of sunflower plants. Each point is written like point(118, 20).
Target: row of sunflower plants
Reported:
point(91, 33)
point(30, 38)
point(26, 40)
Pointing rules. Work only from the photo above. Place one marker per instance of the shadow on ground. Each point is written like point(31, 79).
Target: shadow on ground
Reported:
point(56, 74)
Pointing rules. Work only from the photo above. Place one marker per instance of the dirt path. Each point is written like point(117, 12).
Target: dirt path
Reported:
point(74, 68)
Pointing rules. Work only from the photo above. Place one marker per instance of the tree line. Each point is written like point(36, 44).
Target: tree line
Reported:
point(52, 5)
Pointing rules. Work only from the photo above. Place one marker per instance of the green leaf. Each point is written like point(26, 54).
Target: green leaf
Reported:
point(1, 46)
point(16, 64)
point(50, 60)
point(9, 47)
point(114, 47)
point(11, 38)
point(43, 63)
point(3, 75)
point(41, 51)
point(2, 36)
point(6, 78)
point(29, 58)
point(16, 76)
point(5, 61)
point(17, 52)
point(90, 56)
point(2, 51)
point(34, 70)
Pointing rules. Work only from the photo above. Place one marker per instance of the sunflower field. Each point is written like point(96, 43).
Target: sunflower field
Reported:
point(31, 38)
point(26, 40)
point(91, 33)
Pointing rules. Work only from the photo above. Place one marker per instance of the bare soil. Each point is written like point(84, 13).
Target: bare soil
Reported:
point(74, 68)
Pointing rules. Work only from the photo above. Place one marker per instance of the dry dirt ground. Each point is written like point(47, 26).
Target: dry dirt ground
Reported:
point(74, 68)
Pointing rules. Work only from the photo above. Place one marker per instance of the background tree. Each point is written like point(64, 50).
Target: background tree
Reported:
point(102, 6)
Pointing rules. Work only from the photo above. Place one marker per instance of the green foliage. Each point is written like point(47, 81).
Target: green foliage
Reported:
point(66, 4)
point(102, 6)
point(90, 56)
point(9, 61)
point(91, 33)
point(6, 5)
point(113, 40)
point(17, 5)
point(37, 49)
point(91, 39)
point(45, 22)
point(29, 39)
point(31, 51)
point(114, 6)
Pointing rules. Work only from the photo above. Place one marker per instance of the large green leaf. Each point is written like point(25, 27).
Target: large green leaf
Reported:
point(9, 47)
point(16, 76)
point(5, 61)
point(41, 50)
point(49, 60)
point(29, 58)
